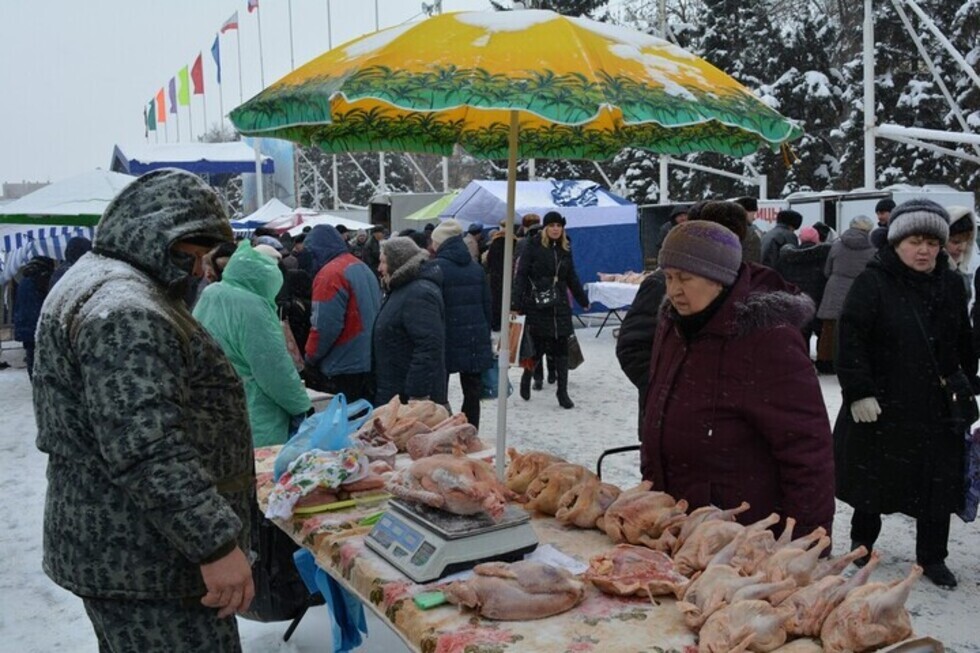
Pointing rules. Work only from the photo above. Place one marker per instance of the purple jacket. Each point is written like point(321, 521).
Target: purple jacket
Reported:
point(736, 414)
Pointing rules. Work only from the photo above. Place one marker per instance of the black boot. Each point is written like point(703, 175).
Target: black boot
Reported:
point(526, 385)
point(552, 376)
point(561, 374)
point(539, 375)
point(939, 574)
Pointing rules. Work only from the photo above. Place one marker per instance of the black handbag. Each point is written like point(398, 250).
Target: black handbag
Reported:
point(545, 298)
point(957, 390)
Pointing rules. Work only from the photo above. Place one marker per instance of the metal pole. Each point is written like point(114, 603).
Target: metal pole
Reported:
point(238, 42)
point(292, 60)
point(445, 174)
point(869, 96)
point(258, 16)
point(504, 359)
point(329, 28)
point(531, 170)
point(663, 181)
point(336, 188)
point(259, 198)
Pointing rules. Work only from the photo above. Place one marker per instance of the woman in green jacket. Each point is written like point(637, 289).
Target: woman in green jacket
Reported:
point(240, 313)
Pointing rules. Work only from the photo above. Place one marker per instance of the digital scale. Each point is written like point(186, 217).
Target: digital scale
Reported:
point(426, 543)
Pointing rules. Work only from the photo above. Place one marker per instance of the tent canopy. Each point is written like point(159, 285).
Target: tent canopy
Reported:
point(276, 215)
point(602, 226)
point(199, 158)
point(78, 200)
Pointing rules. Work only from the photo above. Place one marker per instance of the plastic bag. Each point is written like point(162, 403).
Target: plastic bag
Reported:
point(971, 480)
point(490, 379)
point(328, 430)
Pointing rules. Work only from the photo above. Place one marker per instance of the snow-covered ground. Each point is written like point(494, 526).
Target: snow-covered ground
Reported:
point(38, 616)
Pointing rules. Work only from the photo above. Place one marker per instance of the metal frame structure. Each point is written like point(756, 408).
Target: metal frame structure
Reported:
point(923, 138)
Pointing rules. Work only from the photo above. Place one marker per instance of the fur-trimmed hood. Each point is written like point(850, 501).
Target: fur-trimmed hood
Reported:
point(759, 299)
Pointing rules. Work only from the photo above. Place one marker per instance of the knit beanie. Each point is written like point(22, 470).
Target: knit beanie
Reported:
point(553, 217)
point(703, 248)
point(399, 250)
point(809, 235)
point(918, 217)
point(887, 204)
point(446, 230)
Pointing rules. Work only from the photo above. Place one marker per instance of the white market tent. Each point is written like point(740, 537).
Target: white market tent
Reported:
point(274, 214)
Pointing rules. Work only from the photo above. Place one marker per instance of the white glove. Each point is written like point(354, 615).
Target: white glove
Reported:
point(865, 410)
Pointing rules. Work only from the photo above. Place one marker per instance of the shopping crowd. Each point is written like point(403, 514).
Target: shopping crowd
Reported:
point(165, 354)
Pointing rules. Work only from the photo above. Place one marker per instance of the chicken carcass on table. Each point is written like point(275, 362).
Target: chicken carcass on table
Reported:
point(398, 422)
point(587, 501)
point(628, 570)
point(524, 468)
point(445, 438)
point(640, 516)
point(701, 515)
point(812, 604)
point(720, 585)
point(517, 591)
point(871, 616)
point(709, 538)
point(794, 563)
point(552, 483)
point(751, 625)
point(453, 483)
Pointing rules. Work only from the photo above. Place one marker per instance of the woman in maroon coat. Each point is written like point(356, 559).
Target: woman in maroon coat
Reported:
point(733, 409)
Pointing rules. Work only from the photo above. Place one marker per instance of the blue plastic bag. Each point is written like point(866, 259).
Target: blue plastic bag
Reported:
point(490, 378)
point(328, 430)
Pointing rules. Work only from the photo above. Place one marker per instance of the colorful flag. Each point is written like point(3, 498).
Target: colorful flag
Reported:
point(197, 75)
point(253, 5)
point(161, 107)
point(231, 23)
point(184, 94)
point(216, 53)
point(173, 94)
point(146, 120)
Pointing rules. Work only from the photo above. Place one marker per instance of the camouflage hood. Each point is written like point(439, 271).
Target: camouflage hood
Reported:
point(154, 212)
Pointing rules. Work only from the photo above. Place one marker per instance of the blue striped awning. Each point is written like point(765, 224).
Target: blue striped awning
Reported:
point(21, 246)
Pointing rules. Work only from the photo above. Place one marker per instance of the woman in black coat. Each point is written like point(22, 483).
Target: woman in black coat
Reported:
point(410, 331)
point(546, 268)
point(903, 326)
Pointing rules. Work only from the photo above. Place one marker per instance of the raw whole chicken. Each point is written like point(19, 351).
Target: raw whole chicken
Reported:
point(397, 422)
point(639, 516)
point(524, 468)
point(744, 626)
point(583, 504)
point(720, 585)
point(794, 563)
point(812, 604)
point(833, 566)
point(554, 481)
point(747, 551)
point(701, 515)
point(871, 616)
point(453, 483)
point(518, 591)
point(628, 570)
point(709, 538)
point(445, 440)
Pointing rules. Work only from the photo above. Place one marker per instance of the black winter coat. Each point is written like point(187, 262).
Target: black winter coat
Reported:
point(541, 267)
point(410, 334)
point(637, 330)
point(466, 295)
point(803, 266)
point(911, 459)
point(774, 240)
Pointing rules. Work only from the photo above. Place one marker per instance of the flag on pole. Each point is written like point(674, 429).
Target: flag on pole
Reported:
point(216, 53)
point(231, 23)
point(253, 5)
point(146, 123)
point(151, 116)
point(172, 92)
point(184, 94)
point(161, 107)
point(197, 75)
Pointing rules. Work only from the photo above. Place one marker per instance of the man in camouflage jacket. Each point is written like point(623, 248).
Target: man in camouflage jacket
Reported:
point(150, 468)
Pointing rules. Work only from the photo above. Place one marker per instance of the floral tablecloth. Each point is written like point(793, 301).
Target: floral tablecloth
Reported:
point(599, 623)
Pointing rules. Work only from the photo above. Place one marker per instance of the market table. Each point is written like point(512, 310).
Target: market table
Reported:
point(614, 295)
point(599, 623)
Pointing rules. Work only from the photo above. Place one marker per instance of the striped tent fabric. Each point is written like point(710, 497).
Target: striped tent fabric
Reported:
point(21, 246)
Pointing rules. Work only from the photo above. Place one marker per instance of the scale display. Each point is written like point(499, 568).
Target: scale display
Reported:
point(426, 544)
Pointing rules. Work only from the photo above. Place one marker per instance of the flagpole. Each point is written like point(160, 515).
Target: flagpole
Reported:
point(238, 41)
point(292, 60)
point(258, 16)
point(204, 106)
point(221, 89)
point(177, 121)
point(190, 122)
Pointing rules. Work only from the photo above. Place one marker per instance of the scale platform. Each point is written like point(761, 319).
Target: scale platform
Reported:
point(426, 543)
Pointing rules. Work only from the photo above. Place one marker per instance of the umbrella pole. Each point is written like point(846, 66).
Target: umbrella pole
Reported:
point(504, 358)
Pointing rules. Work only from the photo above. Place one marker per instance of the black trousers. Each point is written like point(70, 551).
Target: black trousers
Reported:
point(354, 386)
point(931, 535)
point(472, 385)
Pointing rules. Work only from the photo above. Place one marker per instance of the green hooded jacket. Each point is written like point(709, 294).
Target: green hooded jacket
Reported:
point(240, 313)
point(150, 462)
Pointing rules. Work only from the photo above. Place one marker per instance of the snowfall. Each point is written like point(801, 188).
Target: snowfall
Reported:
point(38, 616)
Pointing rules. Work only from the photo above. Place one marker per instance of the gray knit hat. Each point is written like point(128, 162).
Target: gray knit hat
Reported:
point(446, 230)
point(398, 251)
point(918, 217)
point(703, 248)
